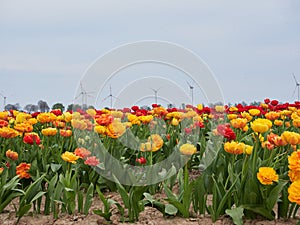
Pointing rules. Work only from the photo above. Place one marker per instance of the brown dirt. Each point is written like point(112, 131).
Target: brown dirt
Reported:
point(150, 216)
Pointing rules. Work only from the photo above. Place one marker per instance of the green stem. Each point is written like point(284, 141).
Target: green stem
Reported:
point(186, 177)
point(291, 209)
point(150, 161)
point(254, 154)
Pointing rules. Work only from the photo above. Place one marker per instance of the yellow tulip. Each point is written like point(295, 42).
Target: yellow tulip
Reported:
point(239, 122)
point(175, 122)
point(69, 157)
point(200, 107)
point(254, 112)
point(154, 143)
point(248, 149)
point(219, 108)
point(232, 116)
point(294, 194)
point(234, 147)
point(291, 138)
point(100, 129)
point(49, 131)
point(267, 175)
point(278, 123)
point(187, 149)
point(261, 125)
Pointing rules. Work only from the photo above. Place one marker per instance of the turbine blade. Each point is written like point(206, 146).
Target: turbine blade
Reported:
point(294, 91)
point(159, 88)
point(115, 97)
point(190, 86)
point(156, 90)
point(295, 80)
point(106, 98)
point(77, 96)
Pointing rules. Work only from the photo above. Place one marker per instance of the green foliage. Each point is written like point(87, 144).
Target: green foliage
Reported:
point(106, 212)
point(183, 201)
point(58, 106)
point(32, 193)
point(236, 215)
point(9, 189)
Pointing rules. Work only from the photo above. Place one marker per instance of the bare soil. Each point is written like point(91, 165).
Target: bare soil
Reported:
point(150, 216)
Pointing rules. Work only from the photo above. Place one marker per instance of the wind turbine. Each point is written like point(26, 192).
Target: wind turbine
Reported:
point(84, 94)
point(155, 93)
point(192, 91)
point(110, 96)
point(297, 86)
point(4, 100)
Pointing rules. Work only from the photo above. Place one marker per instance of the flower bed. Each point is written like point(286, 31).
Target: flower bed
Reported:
point(247, 157)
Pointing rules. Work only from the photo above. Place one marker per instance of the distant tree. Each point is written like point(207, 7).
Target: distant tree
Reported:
point(18, 107)
point(43, 106)
point(255, 103)
point(10, 107)
point(58, 106)
point(182, 106)
point(13, 107)
point(170, 106)
point(31, 108)
point(146, 107)
point(73, 107)
point(244, 103)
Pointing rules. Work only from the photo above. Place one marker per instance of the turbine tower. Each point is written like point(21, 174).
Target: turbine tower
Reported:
point(191, 91)
point(84, 95)
point(296, 87)
point(155, 93)
point(4, 100)
point(110, 96)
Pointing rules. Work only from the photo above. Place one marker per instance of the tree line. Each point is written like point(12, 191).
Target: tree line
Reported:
point(42, 106)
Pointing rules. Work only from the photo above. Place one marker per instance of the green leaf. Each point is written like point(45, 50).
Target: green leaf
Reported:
point(199, 195)
point(171, 209)
point(80, 201)
point(37, 196)
point(274, 195)
point(149, 197)
point(236, 215)
point(105, 215)
point(55, 167)
point(10, 185)
point(23, 210)
point(52, 184)
point(32, 190)
point(260, 210)
point(283, 205)
point(12, 196)
point(183, 210)
point(88, 199)
point(69, 189)
point(187, 194)
point(169, 193)
point(124, 195)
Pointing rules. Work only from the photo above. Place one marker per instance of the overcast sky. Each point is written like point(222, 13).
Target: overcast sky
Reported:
point(252, 47)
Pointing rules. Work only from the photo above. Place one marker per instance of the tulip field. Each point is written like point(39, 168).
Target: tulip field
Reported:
point(241, 162)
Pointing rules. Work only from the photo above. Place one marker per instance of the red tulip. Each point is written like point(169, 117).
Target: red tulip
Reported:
point(141, 160)
point(31, 138)
point(274, 102)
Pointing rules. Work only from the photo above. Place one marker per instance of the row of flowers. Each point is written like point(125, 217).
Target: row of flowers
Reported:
point(262, 139)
